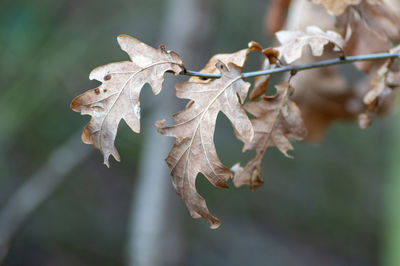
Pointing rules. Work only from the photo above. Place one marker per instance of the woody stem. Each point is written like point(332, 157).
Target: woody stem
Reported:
point(330, 62)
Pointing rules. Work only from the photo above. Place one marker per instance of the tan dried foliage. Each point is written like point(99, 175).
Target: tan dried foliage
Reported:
point(336, 7)
point(238, 58)
point(277, 118)
point(380, 95)
point(370, 28)
point(378, 84)
point(383, 17)
point(323, 97)
point(194, 150)
point(393, 79)
point(261, 82)
point(322, 94)
point(276, 15)
point(292, 42)
point(118, 96)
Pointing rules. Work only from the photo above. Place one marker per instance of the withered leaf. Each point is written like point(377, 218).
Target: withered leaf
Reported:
point(261, 82)
point(378, 84)
point(276, 119)
point(381, 89)
point(118, 96)
point(238, 58)
point(194, 151)
point(275, 16)
point(370, 28)
point(382, 16)
point(393, 79)
point(336, 7)
point(324, 96)
point(292, 42)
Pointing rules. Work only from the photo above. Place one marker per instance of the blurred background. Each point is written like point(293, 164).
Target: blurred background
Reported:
point(334, 204)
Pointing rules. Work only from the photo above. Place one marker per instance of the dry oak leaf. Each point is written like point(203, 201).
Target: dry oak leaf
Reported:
point(378, 84)
point(292, 42)
point(276, 119)
point(118, 96)
point(194, 150)
point(393, 79)
point(370, 28)
point(324, 96)
point(275, 16)
point(383, 17)
point(380, 91)
point(238, 58)
point(337, 7)
point(261, 82)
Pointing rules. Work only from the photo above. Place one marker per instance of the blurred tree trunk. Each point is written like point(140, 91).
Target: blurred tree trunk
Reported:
point(155, 231)
point(38, 188)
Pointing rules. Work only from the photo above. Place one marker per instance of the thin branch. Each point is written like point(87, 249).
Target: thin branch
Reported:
point(200, 74)
point(330, 62)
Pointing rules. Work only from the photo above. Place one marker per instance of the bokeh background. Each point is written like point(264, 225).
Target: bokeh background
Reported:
point(334, 204)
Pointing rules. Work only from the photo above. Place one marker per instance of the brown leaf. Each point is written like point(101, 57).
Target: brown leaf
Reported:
point(292, 42)
point(276, 15)
point(336, 7)
point(261, 82)
point(393, 79)
point(322, 94)
point(238, 58)
point(118, 96)
point(323, 97)
point(277, 119)
point(370, 28)
point(380, 97)
point(194, 151)
point(378, 84)
point(382, 16)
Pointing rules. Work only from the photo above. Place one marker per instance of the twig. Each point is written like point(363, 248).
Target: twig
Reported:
point(330, 62)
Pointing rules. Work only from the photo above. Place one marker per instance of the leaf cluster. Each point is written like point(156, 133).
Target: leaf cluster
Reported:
point(276, 118)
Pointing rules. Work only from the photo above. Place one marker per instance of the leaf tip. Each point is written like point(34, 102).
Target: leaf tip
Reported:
point(75, 104)
point(160, 124)
point(271, 54)
point(236, 168)
point(116, 156)
point(364, 120)
point(287, 155)
point(106, 161)
point(86, 136)
point(254, 46)
point(215, 224)
point(222, 184)
point(122, 37)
